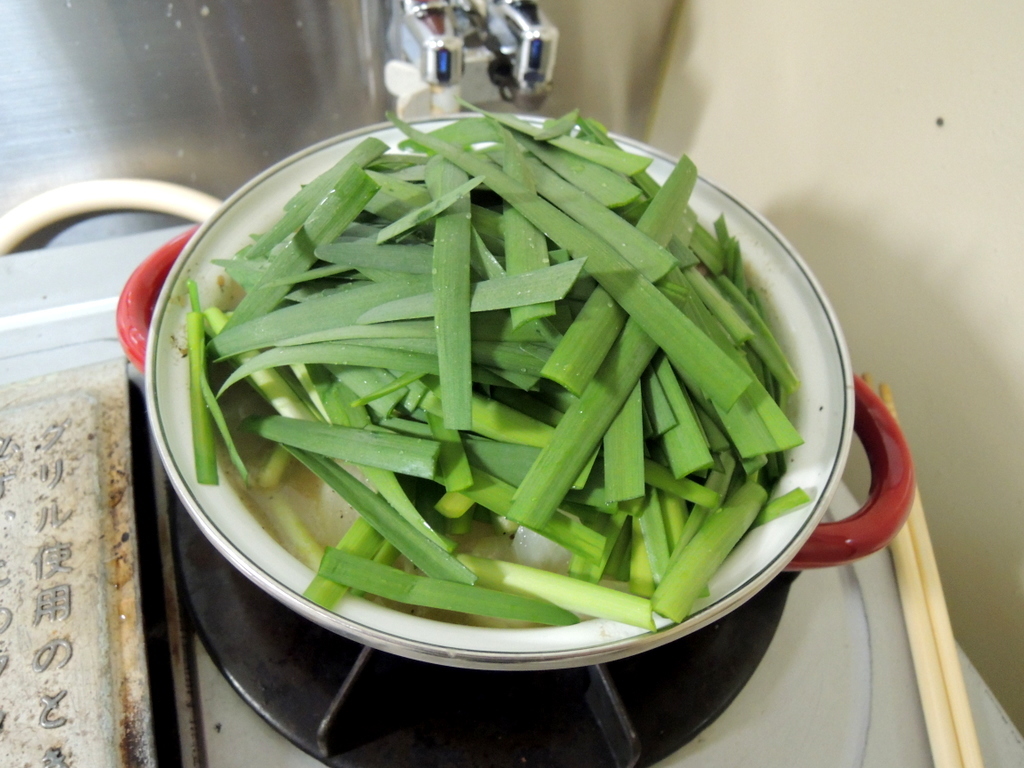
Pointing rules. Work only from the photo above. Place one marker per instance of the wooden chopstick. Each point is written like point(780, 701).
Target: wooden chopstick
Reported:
point(947, 710)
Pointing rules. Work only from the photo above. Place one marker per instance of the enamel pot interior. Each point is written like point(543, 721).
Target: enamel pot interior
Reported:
point(822, 410)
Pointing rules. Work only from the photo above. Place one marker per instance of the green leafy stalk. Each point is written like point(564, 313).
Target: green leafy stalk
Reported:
point(295, 253)
point(430, 558)
point(624, 451)
point(289, 322)
point(360, 540)
point(581, 430)
point(497, 496)
point(453, 465)
point(564, 591)
point(609, 188)
point(641, 575)
point(526, 248)
point(589, 570)
point(299, 208)
point(584, 345)
point(393, 584)
point(452, 195)
point(655, 537)
point(452, 292)
point(397, 453)
point(782, 505)
point(689, 574)
point(674, 510)
point(539, 285)
point(685, 443)
point(399, 383)
point(203, 444)
point(610, 157)
point(561, 126)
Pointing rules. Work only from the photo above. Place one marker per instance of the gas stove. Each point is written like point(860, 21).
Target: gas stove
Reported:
point(829, 680)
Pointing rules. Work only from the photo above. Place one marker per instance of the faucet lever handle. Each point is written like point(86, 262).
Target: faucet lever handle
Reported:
point(529, 40)
point(429, 38)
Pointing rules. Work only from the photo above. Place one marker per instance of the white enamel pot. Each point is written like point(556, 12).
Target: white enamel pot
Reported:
point(829, 407)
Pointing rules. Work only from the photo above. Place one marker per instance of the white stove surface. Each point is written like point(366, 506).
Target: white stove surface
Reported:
point(836, 688)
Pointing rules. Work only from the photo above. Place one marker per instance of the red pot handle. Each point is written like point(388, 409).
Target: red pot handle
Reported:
point(138, 298)
point(889, 500)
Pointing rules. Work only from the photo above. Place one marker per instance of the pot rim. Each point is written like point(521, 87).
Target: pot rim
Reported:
point(623, 643)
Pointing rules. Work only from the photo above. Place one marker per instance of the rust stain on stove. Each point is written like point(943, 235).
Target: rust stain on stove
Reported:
point(135, 739)
point(119, 480)
point(134, 745)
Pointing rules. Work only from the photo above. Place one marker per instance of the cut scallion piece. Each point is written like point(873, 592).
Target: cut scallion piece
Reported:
point(684, 442)
point(607, 187)
point(584, 345)
point(453, 465)
point(454, 505)
point(400, 382)
point(700, 558)
point(340, 309)
point(539, 285)
point(452, 292)
point(301, 205)
point(685, 488)
point(673, 509)
point(388, 486)
point(413, 258)
point(360, 540)
point(296, 253)
point(589, 570)
point(430, 558)
point(203, 444)
point(397, 453)
point(641, 575)
point(393, 584)
point(624, 451)
point(525, 246)
point(782, 505)
point(763, 341)
point(581, 430)
point(652, 525)
point(565, 591)
point(496, 495)
point(610, 157)
point(560, 126)
point(435, 207)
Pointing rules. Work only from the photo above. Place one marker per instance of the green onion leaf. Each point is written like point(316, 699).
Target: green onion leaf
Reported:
point(393, 584)
point(430, 558)
point(397, 453)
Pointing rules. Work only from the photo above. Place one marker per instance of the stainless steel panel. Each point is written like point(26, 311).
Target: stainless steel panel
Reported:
point(200, 92)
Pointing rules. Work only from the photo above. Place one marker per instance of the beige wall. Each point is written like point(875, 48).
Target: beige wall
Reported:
point(610, 58)
point(823, 116)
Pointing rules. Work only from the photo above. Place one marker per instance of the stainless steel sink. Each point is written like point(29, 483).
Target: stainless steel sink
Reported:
point(207, 93)
point(199, 92)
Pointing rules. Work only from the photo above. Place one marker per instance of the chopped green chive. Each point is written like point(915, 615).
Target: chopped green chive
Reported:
point(393, 584)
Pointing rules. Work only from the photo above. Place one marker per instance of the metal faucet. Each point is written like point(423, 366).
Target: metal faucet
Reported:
point(478, 50)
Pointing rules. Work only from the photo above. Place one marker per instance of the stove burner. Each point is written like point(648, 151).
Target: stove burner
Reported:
point(354, 707)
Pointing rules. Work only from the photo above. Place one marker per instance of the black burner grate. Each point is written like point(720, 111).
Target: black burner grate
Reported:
point(353, 707)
